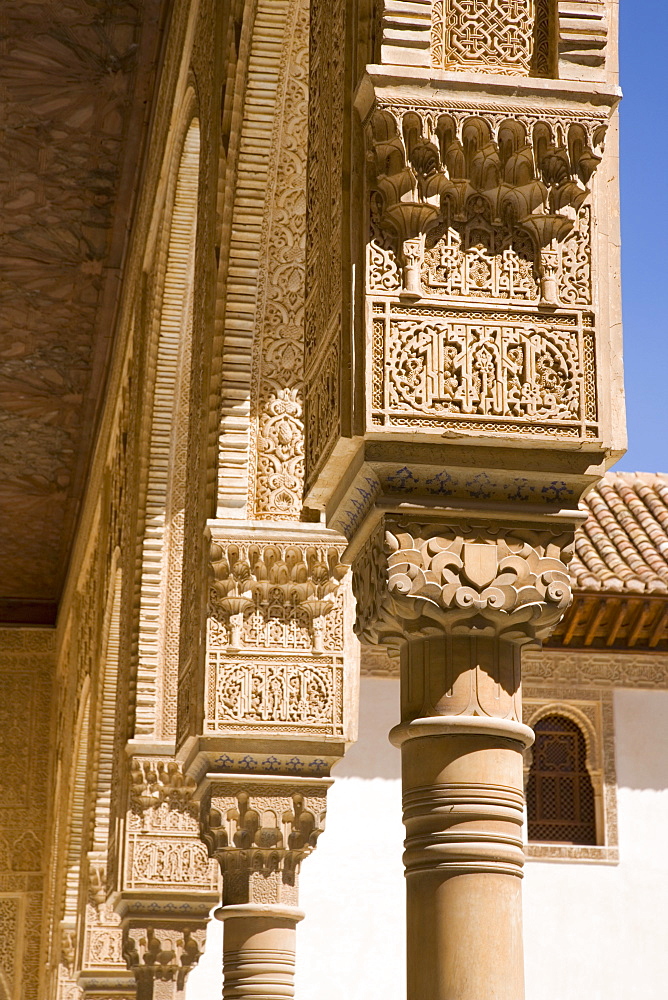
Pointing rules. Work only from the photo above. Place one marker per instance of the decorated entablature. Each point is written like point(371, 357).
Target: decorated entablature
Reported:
point(485, 343)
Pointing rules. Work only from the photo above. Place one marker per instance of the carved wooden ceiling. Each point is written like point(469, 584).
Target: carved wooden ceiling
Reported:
point(74, 85)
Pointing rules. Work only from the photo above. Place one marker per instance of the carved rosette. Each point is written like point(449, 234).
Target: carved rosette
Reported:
point(414, 579)
point(260, 830)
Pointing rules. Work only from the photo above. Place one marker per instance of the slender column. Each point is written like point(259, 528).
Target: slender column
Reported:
point(260, 829)
point(463, 810)
point(460, 607)
point(259, 950)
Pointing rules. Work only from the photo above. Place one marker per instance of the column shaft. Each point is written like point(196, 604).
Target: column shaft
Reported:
point(463, 812)
point(259, 951)
point(463, 816)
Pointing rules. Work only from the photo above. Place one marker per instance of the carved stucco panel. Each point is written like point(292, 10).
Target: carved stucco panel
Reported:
point(26, 664)
point(487, 36)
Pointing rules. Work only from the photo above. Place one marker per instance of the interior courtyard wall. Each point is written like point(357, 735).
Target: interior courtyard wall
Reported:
point(27, 659)
point(589, 927)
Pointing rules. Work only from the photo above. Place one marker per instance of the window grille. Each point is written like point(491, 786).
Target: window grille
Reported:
point(560, 794)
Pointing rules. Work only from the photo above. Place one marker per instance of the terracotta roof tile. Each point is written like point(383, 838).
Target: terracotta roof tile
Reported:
point(623, 545)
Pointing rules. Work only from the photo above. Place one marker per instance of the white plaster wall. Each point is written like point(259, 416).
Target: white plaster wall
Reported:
point(351, 943)
point(598, 932)
point(592, 932)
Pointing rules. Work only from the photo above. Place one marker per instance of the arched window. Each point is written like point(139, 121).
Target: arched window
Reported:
point(560, 795)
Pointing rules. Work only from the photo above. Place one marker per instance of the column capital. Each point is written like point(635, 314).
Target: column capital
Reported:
point(157, 780)
point(164, 952)
point(418, 576)
point(260, 829)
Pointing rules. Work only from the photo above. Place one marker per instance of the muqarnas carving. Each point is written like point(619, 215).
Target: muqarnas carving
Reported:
point(270, 594)
point(275, 638)
point(162, 848)
point(481, 206)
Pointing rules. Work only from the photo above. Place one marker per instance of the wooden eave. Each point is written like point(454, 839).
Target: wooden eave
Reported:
point(622, 621)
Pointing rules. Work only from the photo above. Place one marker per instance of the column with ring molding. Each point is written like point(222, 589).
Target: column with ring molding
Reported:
point(459, 603)
point(260, 829)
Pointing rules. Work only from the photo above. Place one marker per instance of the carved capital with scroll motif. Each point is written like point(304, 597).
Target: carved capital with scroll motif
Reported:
point(415, 578)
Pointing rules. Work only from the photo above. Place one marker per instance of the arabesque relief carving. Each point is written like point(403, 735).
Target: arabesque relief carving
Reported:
point(276, 693)
point(470, 212)
point(482, 259)
point(102, 935)
point(279, 350)
point(324, 209)
point(26, 674)
point(494, 373)
point(414, 578)
point(487, 36)
point(275, 637)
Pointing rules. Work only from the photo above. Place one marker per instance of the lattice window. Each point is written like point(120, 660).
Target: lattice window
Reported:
point(560, 795)
point(495, 36)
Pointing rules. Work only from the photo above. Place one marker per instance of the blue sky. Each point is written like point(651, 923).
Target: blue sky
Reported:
point(644, 189)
